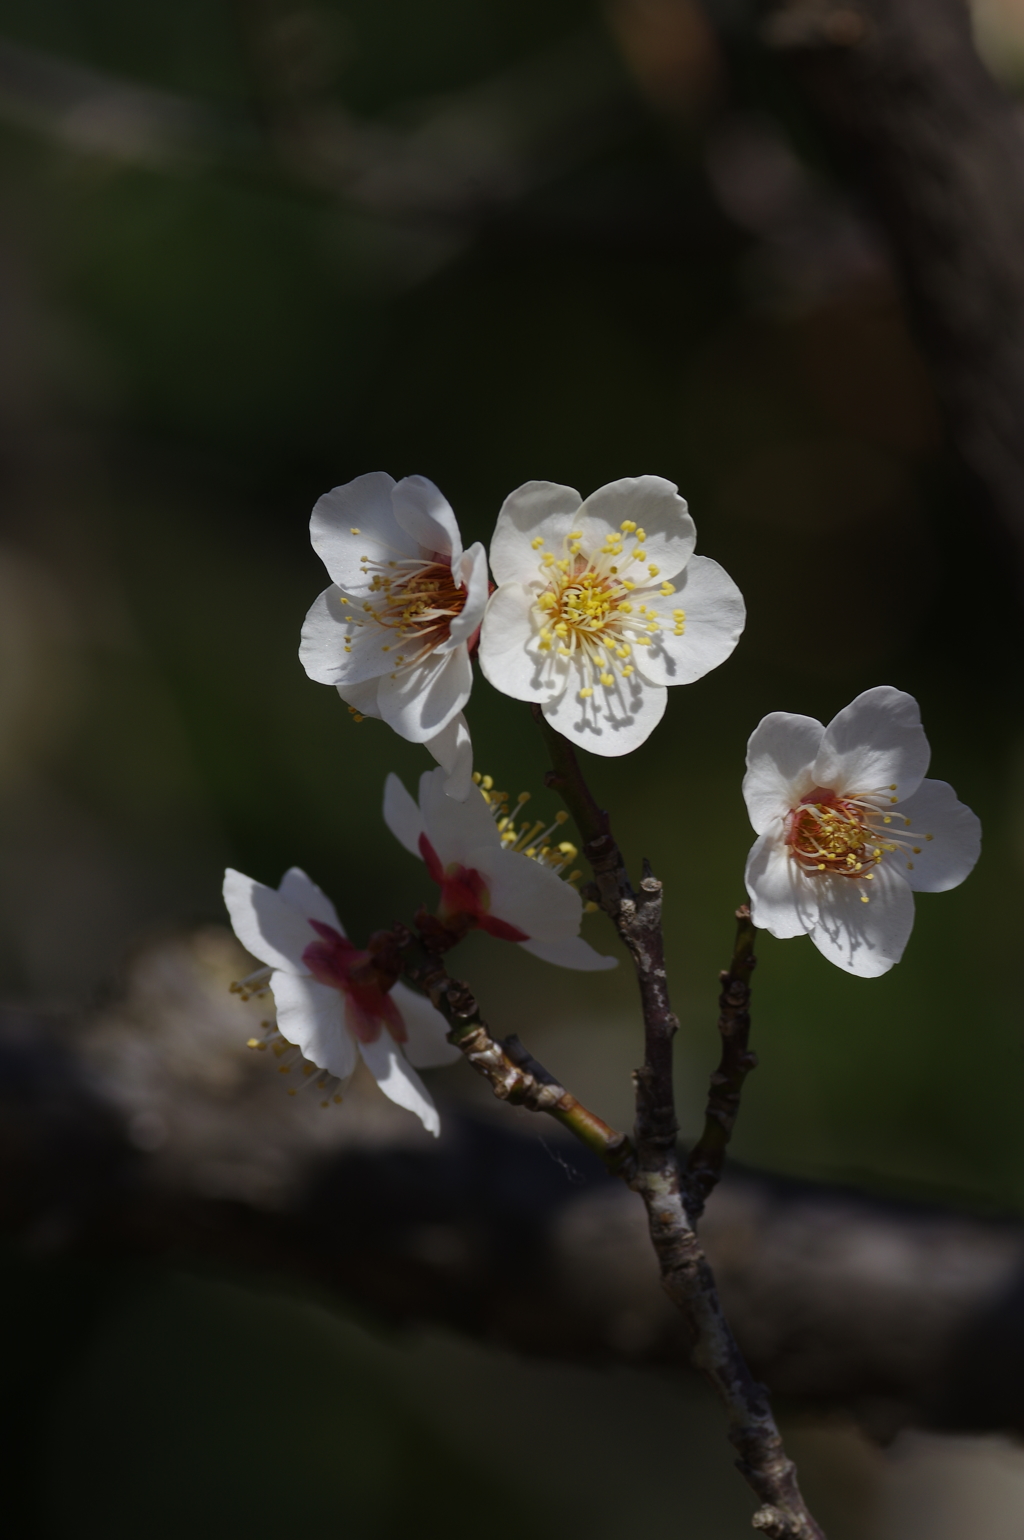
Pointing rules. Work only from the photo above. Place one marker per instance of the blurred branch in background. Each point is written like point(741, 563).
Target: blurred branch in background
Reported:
point(144, 1132)
point(937, 146)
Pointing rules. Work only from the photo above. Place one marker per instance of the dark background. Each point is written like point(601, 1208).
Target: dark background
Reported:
point(250, 251)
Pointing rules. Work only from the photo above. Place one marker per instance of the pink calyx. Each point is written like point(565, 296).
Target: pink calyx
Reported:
point(465, 899)
point(335, 961)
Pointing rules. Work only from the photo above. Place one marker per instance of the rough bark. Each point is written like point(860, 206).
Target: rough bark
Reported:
point(896, 1312)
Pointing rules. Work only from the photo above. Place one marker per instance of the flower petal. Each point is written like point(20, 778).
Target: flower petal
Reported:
point(780, 765)
point(656, 507)
point(948, 839)
point(573, 952)
point(457, 830)
point(874, 744)
point(399, 1081)
point(341, 645)
point(420, 700)
point(265, 924)
point(361, 697)
point(510, 656)
point(537, 509)
point(714, 618)
point(303, 895)
point(611, 721)
point(402, 815)
point(471, 571)
point(533, 898)
point(865, 939)
point(309, 1014)
point(783, 899)
point(353, 522)
point(453, 750)
point(425, 515)
point(426, 1044)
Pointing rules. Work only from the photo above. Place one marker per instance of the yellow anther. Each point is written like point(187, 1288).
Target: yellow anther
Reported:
point(524, 796)
point(548, 559)
point(639, 555)
point(561, 817)
point(666, 589)
point(590, 907)
point(641, 536)
point(893, 786)
point(654, 571)
point(575, 534)
point(929, 836)
point(864, 898)
point(354, 531)
point(586, 692)
point(917, 850)
point(568, 850)
point(607, 679)
point(627, 526)
point(536, 544)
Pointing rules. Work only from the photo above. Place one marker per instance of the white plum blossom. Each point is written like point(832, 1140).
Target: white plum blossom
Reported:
point(329, 999)
point(849, 829)
point(487, 879)
point(394, 631)
point(600, 605)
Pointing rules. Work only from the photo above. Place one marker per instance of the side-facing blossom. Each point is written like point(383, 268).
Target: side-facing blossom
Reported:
point(485, 883)
point(394, 630)
point(849, 829)
point(329, 999)
point(601, 604)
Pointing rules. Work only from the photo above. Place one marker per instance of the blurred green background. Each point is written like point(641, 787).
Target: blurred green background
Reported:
point(251, 250)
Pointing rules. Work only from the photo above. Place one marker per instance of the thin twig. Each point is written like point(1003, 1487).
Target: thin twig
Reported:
point(707, 1158)
point(685, 1273)
point(511, 1072)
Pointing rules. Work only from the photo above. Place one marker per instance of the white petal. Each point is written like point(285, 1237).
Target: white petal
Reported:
point(427, 1044)
point(656, 507)
point(510, 656)
point(402, 815)
point(341, 644)
point(875, 743)
point(362, 697)
point(714, 618)
point(427, 517)
point(865, 939)
point(783, 899)
point(453, 750)
point(780, 765)
point(420, 701)
point(536, 509)
point(612, 721)
point(942, 861)
point(301, 893)
point(356, 521)
point(456, 830)
point(399, 1081)
point(265, 925)
point(310, 1015)
point(533, 898)
point(573, 952)
point(471, 572)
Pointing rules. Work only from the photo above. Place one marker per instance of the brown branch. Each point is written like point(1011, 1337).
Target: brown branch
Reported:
point(685, 1274)
point(511, 1072)
point(707, 1158)
point(938, 147)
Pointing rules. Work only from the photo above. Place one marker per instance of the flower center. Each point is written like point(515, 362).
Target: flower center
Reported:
point(847, 836)
point(592, 607)
point(827, 833)
point(465, 902)
point(417, 600)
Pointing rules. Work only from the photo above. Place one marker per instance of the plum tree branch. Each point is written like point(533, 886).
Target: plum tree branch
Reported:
point(685, 1273)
